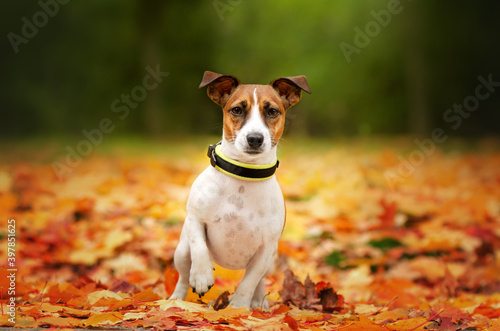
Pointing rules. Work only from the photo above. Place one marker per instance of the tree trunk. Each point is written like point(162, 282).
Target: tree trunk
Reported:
point(150, 19)
point(418, 107)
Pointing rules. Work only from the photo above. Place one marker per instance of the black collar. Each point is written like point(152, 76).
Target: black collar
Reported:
point(233, 168)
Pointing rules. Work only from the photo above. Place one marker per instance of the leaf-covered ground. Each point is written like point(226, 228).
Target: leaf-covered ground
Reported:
point(379, 236)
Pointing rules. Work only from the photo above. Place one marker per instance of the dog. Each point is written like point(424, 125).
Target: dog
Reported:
point(235, 209)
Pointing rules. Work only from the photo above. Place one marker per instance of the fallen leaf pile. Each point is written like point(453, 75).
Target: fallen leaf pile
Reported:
point(374, 239)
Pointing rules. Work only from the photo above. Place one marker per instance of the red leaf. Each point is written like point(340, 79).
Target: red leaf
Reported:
point(487, 311)
point(121, 285)
point(388, 214)
point(292, 323)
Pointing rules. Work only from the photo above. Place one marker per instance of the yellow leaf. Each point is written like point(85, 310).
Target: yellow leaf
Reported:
point(134, 316)
point(104, 319)
point(103, 294)
point(189, 306)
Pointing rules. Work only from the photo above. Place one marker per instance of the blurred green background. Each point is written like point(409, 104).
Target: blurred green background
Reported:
point(375, 67)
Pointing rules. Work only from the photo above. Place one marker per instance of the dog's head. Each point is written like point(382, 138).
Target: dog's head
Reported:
point(254, 115)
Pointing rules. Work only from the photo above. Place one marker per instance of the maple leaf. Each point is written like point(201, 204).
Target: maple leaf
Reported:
point(222, 301)
point(146, 295)
point(310, 295)
point(96, 297)
point(330, 300)
point(293, 289)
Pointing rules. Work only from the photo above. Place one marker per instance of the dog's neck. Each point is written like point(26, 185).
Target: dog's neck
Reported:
point(230, 151)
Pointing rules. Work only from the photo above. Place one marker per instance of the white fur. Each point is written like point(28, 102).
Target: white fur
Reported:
point(232, 222)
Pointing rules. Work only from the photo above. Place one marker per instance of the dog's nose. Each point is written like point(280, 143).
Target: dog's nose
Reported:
point(255, 140)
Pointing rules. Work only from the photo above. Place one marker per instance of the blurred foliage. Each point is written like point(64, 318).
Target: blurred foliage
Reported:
point(428, 57)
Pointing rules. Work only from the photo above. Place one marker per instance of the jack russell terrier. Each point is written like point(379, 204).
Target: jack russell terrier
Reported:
point(236, 210)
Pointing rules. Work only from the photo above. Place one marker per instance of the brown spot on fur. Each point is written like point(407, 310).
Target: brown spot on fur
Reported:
point(237, 201)
point(230, 217)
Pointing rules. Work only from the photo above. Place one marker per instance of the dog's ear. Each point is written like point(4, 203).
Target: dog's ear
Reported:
point(290, 89)
point(220, 86)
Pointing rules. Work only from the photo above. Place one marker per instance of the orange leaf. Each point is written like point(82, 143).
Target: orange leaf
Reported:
point(60, 322)
point(171, 277)
point(417, 323)
point(105, 302)
point(77, 302)
point(146, 295)
point(63, 292)
point(281, 309)
point(120, 304)
point(364, 324)
point(104, 319)
point(135, 277)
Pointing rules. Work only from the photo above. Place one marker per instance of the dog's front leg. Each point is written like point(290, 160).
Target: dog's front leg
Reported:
point(201, 277)
point(259, 267)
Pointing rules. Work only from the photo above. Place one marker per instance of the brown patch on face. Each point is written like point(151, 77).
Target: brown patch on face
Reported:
point(233, 123)
point(269, 102)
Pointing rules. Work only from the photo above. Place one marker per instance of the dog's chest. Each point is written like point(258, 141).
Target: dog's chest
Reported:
point(239, 216)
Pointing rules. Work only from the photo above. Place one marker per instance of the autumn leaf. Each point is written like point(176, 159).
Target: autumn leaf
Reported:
point(146, 295)
point(292, 323)
point(222, 301)
point(171, 277)
point(388, 214)
point(104, 319)
point(95, 297)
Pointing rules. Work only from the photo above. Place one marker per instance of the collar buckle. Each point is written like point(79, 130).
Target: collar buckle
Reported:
point(211, 154)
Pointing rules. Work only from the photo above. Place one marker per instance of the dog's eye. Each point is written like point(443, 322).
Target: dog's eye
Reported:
point(273, 112)
point(236, 111)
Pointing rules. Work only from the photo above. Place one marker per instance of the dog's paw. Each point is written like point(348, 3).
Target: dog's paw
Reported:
point(260, 304)
point(237, 301)
point(201, 280)
point(177, 297)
